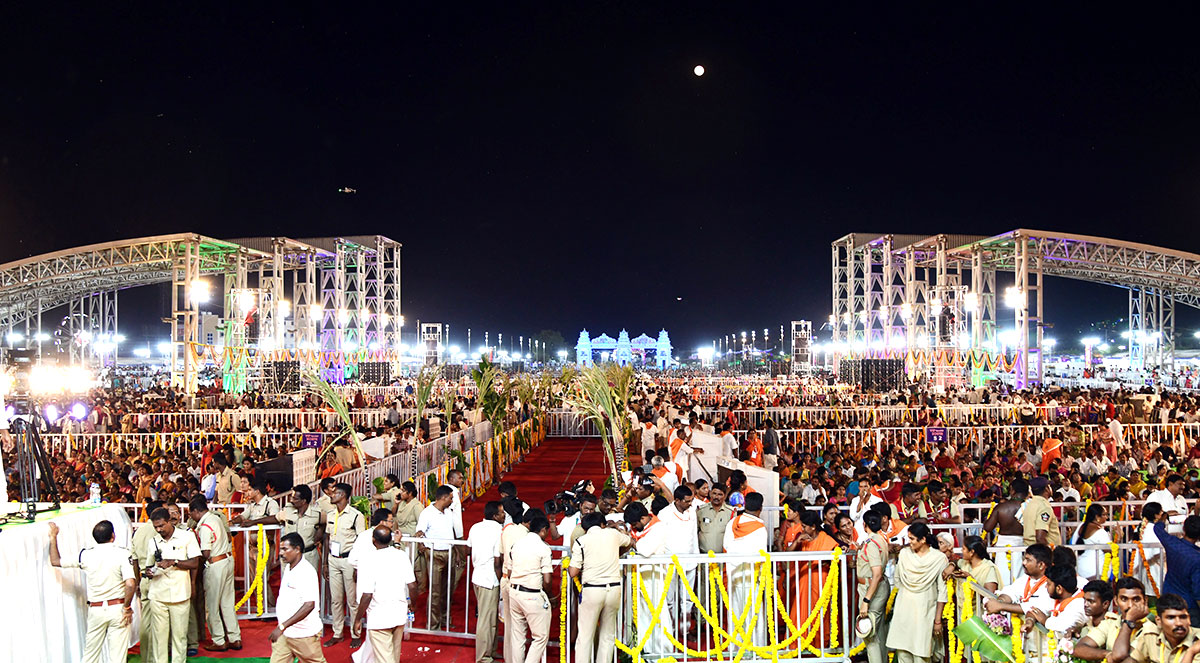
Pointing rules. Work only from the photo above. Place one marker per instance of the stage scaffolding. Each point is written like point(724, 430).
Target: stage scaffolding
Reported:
point(929, 297)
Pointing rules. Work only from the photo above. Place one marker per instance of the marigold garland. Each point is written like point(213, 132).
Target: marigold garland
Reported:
point(1146, 564)
point(562, 610)
point(948, 617)
point(256, 587)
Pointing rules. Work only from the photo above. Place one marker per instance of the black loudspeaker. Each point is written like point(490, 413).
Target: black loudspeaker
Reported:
point(283, 377)
point(452, 371)
point(375, 372)
point(872, 374)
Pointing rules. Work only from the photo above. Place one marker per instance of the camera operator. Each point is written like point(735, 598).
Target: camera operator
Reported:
point(569, 527)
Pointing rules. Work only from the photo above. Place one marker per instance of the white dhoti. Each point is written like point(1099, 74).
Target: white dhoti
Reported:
point(743, 592)
point(654, 582)
point(1008, 563)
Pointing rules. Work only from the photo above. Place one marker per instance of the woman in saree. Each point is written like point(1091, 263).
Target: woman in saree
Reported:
point(810, 576)
point(920, 597)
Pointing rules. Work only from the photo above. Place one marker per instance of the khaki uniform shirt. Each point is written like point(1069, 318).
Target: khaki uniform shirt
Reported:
point(508, 536)
point(1038, 515)
point(407, 514)
point(213, 530)
point(143, 548)
point(1150, 645)
point(227, 484)
point(174, 584)
point(108, 566)
point(1105, 634)
point(305, 525)
point(873, 552)
point(598, 554)
point(530, 558)
point(323, 504)
point(343, 529)
point(387, 499)
point(260, 509)
point(711, 524)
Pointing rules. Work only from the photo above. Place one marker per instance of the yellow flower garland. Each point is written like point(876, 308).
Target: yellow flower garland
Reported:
point(562, 610)
point(948, 618)
point(1017, 639)
point(260, 567)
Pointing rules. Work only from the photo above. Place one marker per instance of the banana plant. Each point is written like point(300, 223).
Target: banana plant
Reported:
point(342, 409)
point(595, 399)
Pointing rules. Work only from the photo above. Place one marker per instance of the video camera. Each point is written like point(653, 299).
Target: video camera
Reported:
point(566, 502)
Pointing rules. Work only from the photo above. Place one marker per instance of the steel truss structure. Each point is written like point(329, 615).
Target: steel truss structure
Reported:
point(897, 292)
point(358, 277)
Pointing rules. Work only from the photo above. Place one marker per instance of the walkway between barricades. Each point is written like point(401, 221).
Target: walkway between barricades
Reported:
point(555, 465)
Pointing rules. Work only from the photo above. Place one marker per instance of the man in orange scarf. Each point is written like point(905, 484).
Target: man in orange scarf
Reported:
point(746, 534)
point(650, 539)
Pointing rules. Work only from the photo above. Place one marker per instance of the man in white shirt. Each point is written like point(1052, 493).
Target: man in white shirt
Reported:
point(650, 538)
point(484, 539)
point(299, 632)
point(683, 539)
point(362, 543)
point(1171, 498)
point(1030, 590)
point(456, 480)
point(1068, 611)
point(170, 582)
point(729, 443)
point(746, 534)
point(385, 577)
point(435, 523)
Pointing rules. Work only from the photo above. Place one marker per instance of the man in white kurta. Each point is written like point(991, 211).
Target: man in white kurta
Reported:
point(684, 539)
point(650, 537)
point(746, 534)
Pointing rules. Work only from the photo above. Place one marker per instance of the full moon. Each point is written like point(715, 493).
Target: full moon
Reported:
point(699, 70)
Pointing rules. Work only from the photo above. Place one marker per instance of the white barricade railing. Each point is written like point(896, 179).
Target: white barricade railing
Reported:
point(888, 415)
point(234, 419)
point(914, 437)
point(569, 423)
point(91, 443)
point(797, 578)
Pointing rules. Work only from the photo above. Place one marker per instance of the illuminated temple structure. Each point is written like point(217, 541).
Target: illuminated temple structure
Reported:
point(643, 351)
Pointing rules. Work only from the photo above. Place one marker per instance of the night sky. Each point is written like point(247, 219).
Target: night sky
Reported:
point(560, 166)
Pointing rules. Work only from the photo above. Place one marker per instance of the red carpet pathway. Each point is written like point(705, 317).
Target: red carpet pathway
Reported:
point(557, 464)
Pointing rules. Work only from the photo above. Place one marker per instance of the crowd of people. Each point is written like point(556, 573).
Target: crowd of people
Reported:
point(888, 505)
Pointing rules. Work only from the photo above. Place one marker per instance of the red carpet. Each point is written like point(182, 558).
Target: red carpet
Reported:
point(554, 466)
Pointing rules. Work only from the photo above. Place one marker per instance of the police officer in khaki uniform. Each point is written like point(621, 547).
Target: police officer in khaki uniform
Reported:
point(262, 510)
point(596, 556)
point(1037, 518)
point(532, 572)
point(342, 525)
point(299, 517)
point(325, 495)
point(711, 520)
point(227, 479)
point(143, 554)
point(111, 585)
point(217, 551)
point(176, 554)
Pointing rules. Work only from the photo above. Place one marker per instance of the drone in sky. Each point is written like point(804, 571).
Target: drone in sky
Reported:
point(347, 189)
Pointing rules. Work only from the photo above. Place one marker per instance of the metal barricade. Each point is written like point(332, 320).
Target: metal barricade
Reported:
point(777, 596)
